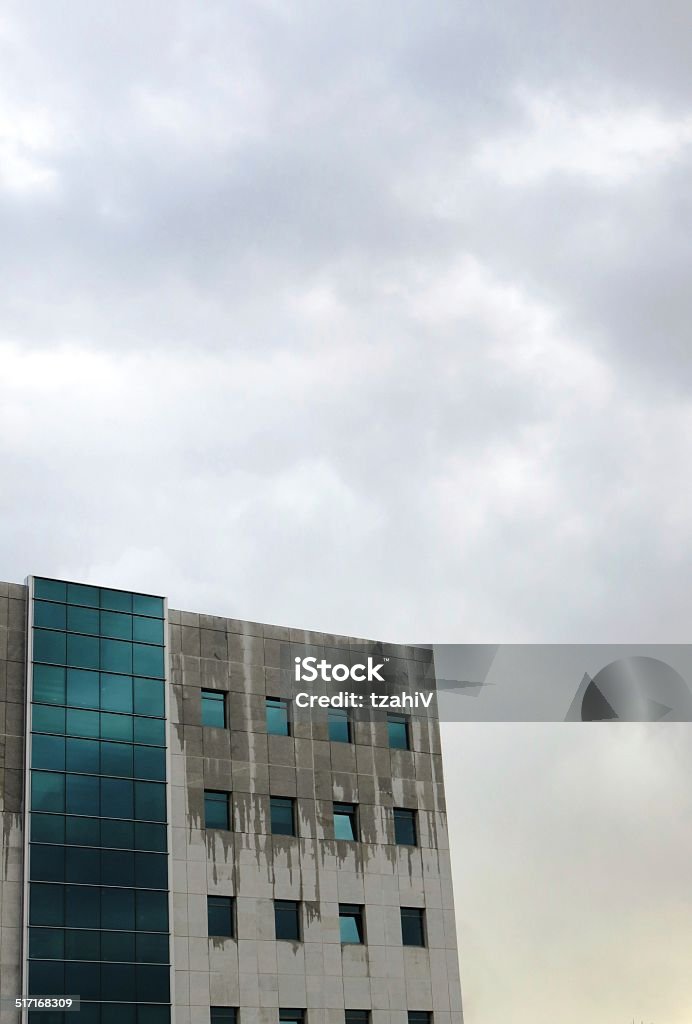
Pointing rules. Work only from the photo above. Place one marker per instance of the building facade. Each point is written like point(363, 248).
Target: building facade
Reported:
point(181, 842)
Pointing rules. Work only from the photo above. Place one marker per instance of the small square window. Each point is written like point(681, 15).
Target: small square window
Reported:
point(339, 725)
point(351, 923)
point(216, 809)
point(405, 832)
point(282, 815)
point(412, 926)
point(345, 821)
point(223, 1015)
point(220, 916)
point(214, 709)
point(278, 721)
point(398, 732)
point(287, 919)
point(356, 1016)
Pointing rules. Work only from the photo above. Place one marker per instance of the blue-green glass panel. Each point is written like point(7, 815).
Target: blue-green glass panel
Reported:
point(82, 865)
point(46, 977)
point(46, 904)
point(51, 616)
point(118, 908)
point(47, 863)
point(47, 828)
point(49, 684)
point(116, 656)
point(82, 723)
point(78, 593)
point(150, 730)
point(147, 661)
point(118, 946)
point(47, 719)
point(46, 943)
point(278, 723)
point(214, 708)
point(47, 791)
point(153, 1015)
point(118, 867)
point(149, 698)
point(82, 906)
point(82, 795)
point(118, 981)
point(153, 983)
point(118, 1013)
point(116, 600)
point(84, 979)
point(82, 651)
point(147, 631)
point(50, 590)
point(398, 732)
point(117, 797)
point(89, 1013)
point(82, 945)
point(142, 604)
point(82, 831)
point(82, 620)
point(150, 801)
point(152, 949)
point(116, 727)
point(82, 688)
point(117, 626)
point(117, 834)
point(152, 911)
point(116, 693)
point(150, 763)
point(49, 646)
point(151, 870)
point(48, 752)
point(116, 759)
point(83, 756)
point(150, 836)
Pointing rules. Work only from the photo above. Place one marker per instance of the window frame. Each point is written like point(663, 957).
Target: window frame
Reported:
point(227, 804)
point(227, 904)
point(351, 815)
point(294, 907)
point(338, 716)
point(212, 698)
point(283, 801)
point(352, 912)
point(395, 718)
point(278, 704)
point(412, 814)
point(417, 914)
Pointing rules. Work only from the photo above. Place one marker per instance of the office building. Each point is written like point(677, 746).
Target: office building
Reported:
point(181, 843)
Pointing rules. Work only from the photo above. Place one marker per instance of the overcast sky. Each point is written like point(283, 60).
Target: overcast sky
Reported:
point(365, 317)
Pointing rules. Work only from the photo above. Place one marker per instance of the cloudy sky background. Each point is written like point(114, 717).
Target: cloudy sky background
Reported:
point(374, 318)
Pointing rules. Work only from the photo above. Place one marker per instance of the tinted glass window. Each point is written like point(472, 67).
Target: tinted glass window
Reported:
point(150, 763)
point(82, 651)
point(291, 1016)
point(116, 656)
point(147, 631)
point(116, 727)
point(282, 815)
point(116, 693)
point(116, 759)
point(49, 646)
point(46, 904)
point(214, 708)
point(117, 796)
point(51, 590)
point(82, 620)
point(398, 732)
point(118, 908)
point(149, 730)
point(356, 1016)
point(150, 801)
point(47, 863)
point(48, 752)
point(216, 809)
point(46, 943)
point(287, 919)
point(51, 616)
point(47, 719)
point(220, 915)
point(351, 923)
point(149, 698)
point(412, 926)
point(82, 906)
point(405, 827)
point(82, 794)
point(339, 725)
point(82, 865)
point(345, 826)
point(223, 1015)
point(82, 756)
point(47, 791)
point(278, 723)
point(147, 661)
point(49, 684)
point(152, 911)
point(82, 688)
point(116, 626)
point(47, 828)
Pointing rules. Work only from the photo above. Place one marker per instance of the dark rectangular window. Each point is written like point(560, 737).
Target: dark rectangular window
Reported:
point(292, 1016)
point(351, 923)
point(287, 919)
point(356, 1016)
point(278, 721)
point(214, 708)
point(398, 732)
point(216, 809)
point(223, 1015)
point(220, 916)
point(339, 725)
point(345, 821)
point(419, 1017)
point(405, 832)
point(282, 814)
point(412, 926)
